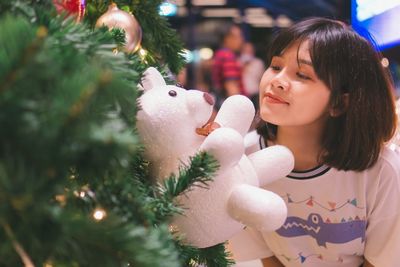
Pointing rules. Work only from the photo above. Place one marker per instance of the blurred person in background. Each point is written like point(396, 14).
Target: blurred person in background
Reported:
point(203, 75)
point(252, 71)
point(226, 68)
point(182, 77)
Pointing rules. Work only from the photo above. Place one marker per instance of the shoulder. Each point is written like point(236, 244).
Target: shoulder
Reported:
point(385, 173)
point(389, 160)
point(257, 63)
point(224, 53)
point(383, 179)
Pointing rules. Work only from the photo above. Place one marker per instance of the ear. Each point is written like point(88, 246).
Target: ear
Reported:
point(152, 78)
point(341, 107)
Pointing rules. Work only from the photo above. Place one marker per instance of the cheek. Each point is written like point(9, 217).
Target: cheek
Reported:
point(312, 106)
point(264, 81)
point(321, 98)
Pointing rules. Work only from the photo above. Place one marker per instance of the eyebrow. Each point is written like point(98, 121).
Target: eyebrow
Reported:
point(301, 61)
point(306, 62)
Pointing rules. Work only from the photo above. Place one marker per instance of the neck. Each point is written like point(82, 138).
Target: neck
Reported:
point(304, 142)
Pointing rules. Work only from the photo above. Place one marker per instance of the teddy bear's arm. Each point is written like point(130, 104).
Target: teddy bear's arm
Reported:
point(237, 112)
point(272, 163)
point(256, 207)
point(226, 145)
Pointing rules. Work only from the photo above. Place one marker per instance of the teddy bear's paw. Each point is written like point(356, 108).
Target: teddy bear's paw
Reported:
point(256, 207)
point(226, 145)
point(272, 163)
point(237, 112)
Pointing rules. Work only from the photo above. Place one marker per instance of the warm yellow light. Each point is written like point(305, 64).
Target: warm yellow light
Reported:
point(206, 53)
point(385, 62)
point(142, 52)
point(99, 214)
point(172, 228)
point(61, 199)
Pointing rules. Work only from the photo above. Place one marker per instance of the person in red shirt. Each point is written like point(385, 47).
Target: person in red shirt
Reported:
point(226, 68)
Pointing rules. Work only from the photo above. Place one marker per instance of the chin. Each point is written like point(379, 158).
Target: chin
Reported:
point(266, 113)
point(270, 118)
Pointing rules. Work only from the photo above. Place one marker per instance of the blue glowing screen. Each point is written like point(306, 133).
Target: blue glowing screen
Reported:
point(381, 19)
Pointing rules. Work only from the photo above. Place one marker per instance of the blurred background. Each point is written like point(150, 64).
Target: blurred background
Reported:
point(198, 22)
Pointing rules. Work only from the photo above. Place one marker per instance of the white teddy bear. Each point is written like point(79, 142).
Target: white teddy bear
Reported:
point(169, 121)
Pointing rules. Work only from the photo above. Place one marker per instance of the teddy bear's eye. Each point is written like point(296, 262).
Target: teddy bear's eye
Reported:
point(172, 93)
point(179, 85)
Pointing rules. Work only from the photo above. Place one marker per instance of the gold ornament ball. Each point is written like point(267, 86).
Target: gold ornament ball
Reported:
point(116, 18)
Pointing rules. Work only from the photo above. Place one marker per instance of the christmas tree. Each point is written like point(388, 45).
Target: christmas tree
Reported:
point(74, 187)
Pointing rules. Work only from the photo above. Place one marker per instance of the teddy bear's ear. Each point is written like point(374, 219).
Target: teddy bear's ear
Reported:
point(152, 78)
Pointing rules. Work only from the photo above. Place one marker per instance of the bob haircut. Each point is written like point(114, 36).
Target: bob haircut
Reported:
point(349, 65)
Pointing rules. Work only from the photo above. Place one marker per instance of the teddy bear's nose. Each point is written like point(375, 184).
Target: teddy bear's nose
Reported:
point(209, 99)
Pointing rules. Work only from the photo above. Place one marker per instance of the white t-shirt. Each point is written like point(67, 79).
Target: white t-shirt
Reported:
point(335, 218)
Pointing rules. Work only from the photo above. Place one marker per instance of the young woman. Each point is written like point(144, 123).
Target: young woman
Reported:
point(326, 96)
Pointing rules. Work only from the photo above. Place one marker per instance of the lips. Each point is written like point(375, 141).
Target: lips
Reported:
point(275, 99)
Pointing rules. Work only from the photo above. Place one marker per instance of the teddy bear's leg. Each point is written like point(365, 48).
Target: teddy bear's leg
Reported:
point(226, 145)
point(256, 207)
point(272, 163)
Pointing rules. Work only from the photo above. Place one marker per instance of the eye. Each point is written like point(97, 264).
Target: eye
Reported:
point(179, 85)
point(275, 67)
point(315, 219)
point(172, 93)
point(302, 76)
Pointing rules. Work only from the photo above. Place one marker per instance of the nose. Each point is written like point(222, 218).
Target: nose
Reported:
point(209, 99)
point(279, 82)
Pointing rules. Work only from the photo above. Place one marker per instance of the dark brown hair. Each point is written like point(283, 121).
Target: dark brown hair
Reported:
point(348, 64)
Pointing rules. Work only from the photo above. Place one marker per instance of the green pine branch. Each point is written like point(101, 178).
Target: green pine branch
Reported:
point(215, 256)
point(137, 245)
point(158, 32)
point(67, 102)
point(198, 172)
point(68, 143)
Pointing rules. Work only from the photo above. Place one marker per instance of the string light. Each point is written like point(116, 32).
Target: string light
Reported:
point(99, 214)
point(172, 228)
point(142, 52)
point(61, 199)
point(385, 62)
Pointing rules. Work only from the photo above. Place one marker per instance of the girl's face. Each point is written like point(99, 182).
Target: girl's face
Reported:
point(291, 93)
